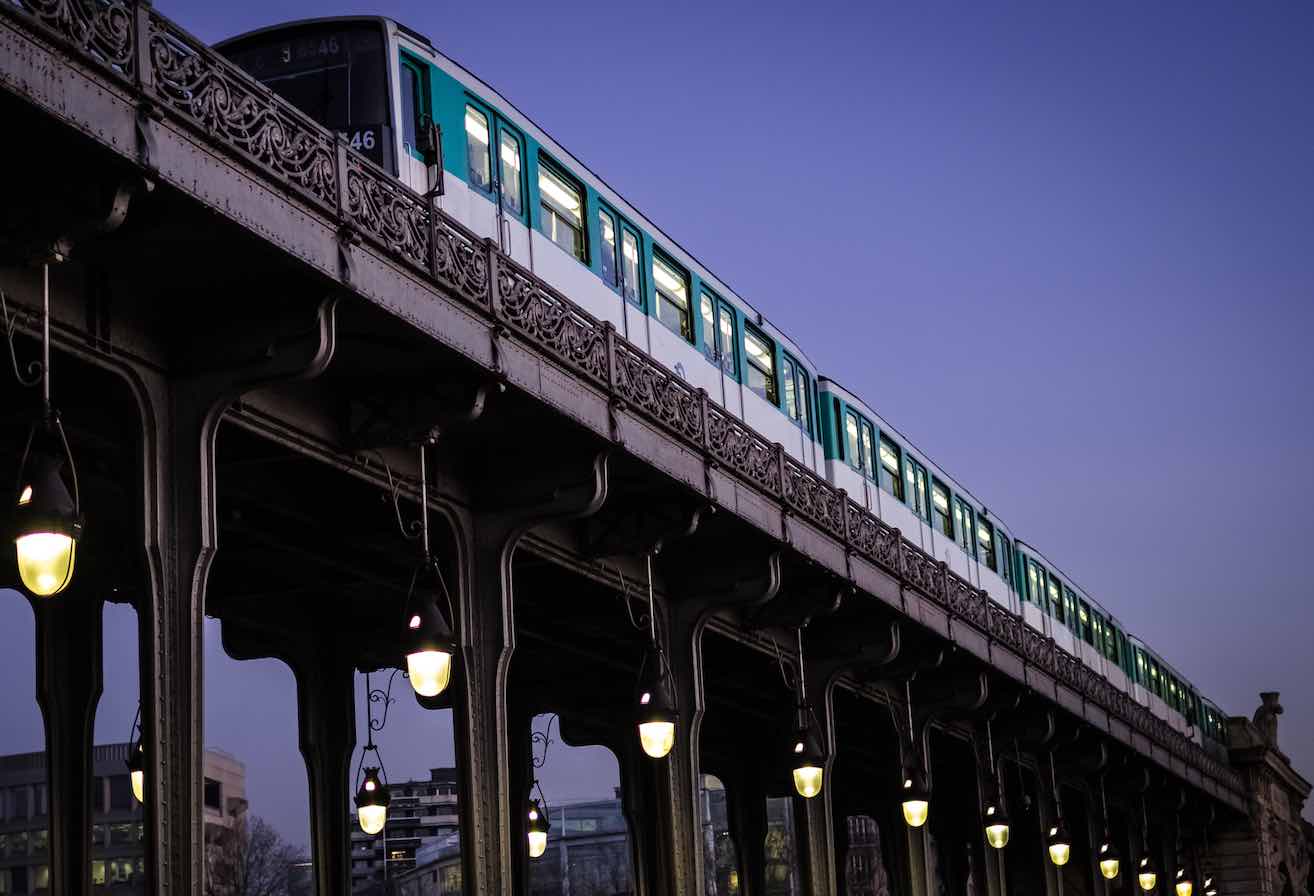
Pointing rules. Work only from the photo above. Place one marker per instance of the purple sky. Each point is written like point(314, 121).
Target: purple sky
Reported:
point(1068, 252)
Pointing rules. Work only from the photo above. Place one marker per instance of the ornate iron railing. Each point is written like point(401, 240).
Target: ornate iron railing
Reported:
point(182, 77)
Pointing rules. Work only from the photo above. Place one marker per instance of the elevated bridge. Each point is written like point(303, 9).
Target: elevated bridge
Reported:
point(253, 326)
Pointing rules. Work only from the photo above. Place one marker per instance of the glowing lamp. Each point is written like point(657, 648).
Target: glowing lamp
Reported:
point(656, 715)
point(429, 646)
point(996, 827)
point(916, 797)
point(47, 524)
point(1059, 843)
point(808, 760)
point(537, 829)
point(372, 802)
point(1147, 875)
point(136, 763)
point(1184, 885)
point(1110, 863)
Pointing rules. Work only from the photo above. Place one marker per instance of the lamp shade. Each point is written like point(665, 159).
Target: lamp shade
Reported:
point(1183, 884)
point(429, 645)
point(655, 715)
point(536, 827)
point(1110, 861)
point(996, 826)
point(916, 797)
point(1059, 843)
point(1147, 873)
point(372, 802)
point(46, 522)
point(807, 759)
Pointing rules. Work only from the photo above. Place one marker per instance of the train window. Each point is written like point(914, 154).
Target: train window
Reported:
point(964, 523)
point(797, 394)
point(985, 537)
point(630, 266)
point(1035, 585)
point(476, 149)
point(914, 475)
point(725, 335)
point(563, 203)
point(1056, 600)
point(607, 249)
point(672, 297)
point(510, 172)
point(761, 368)
point(707, 311)
point(1006, 554)
point(891, 472)
point(1086, 622)
point(412, 100)
point(940, 516)
point(853, 438)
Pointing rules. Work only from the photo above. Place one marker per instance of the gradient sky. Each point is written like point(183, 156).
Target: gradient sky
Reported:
point(1068, 251)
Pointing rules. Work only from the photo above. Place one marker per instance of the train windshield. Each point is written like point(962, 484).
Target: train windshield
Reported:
point(335, 72)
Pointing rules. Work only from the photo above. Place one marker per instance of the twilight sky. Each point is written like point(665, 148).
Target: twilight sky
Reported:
point(1069, 252)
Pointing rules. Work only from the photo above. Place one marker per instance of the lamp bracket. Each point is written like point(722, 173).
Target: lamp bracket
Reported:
point(796, 606)
point(639, 526)
point(376, 417)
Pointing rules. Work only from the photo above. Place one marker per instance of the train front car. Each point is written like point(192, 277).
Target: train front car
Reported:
point(334, 70)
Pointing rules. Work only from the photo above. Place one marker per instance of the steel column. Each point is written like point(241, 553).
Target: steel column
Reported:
point(68, 687)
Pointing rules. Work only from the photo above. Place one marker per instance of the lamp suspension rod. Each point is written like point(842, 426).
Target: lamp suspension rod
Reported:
point(990, 746)
point(802, 677)
point(45, 337)
point(1104, 802)
point(652, 616)
point(424, 500)
point(1053, 780)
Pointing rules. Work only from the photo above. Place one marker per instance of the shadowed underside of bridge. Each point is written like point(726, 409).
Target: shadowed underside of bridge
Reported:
point(253, 328)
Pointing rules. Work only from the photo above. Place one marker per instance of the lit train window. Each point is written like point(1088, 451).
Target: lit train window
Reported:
point(707, 311)
point(476, 149)
point(853, 439)
point(891, 472)
point(985, 536)
point(672, 298)
point(509, 172)
point(630, 266)
point(607, 236)
point(915, 488)
point(760, 371)
point(1055, 600)
point(1084, 619)
point(725, 334)
point(1006, 552)
point(797, 394)
point(963, 520)
point(563, 202)
point(940, 509)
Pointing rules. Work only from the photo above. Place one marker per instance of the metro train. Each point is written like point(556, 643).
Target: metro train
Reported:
point(442, 131)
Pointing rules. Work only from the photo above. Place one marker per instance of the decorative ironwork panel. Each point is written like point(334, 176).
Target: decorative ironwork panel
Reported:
point(460, 261)
point(743, 450)
point(215, 95)
point(654, 389)
point(102, 31)
point(923, 572)
point(814, 497)
point(870, 536)
point(385, 210)
point(967, 602)
point(551, 321)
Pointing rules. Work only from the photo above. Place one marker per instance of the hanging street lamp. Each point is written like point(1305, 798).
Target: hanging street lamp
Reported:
point(656, 713)
point(915, 791)
point(996, 819)
point(537, 828)
point(47, 519)
point(807, 757)
point(429, 642)
point(1109, 860)
point(372, 802)
point(1059, 841)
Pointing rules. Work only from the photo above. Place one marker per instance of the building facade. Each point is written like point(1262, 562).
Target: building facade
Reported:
point(118, 850)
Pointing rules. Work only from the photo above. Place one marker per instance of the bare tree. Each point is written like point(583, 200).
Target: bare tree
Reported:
point(248, 859)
